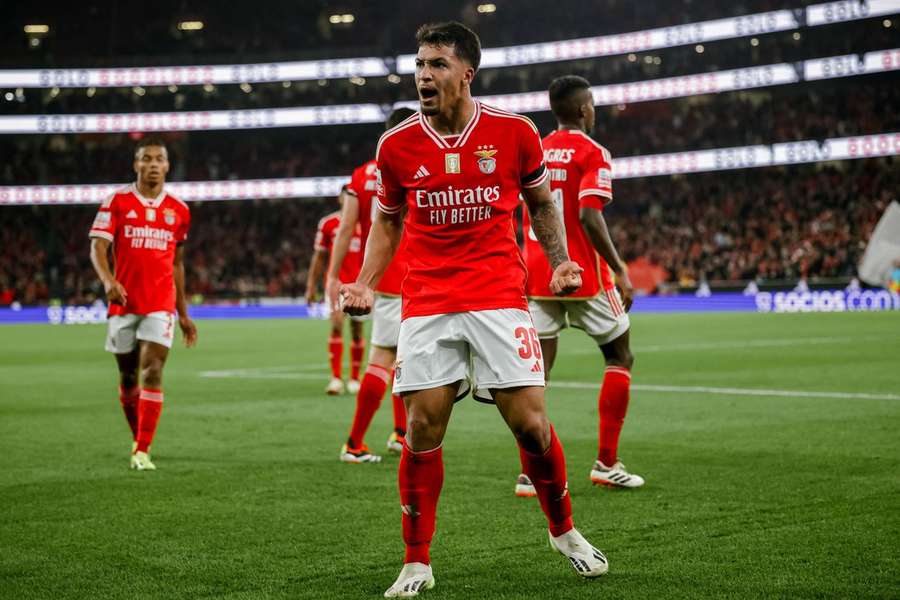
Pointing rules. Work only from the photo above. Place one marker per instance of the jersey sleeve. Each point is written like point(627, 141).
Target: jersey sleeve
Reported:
point(354, 186)
point(323, 239)
point(104, 225)
point(531, 157)
point(391, 195)
point(595, 189)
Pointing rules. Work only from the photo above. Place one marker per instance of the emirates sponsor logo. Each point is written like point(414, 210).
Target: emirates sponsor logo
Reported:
point(457, 196)
point(151, 238)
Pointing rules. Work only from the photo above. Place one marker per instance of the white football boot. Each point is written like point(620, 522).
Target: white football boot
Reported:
point(395, 443)
point(334, 387)
point(614, 476)
point(587, 560)
point(352, 386)
point(524, 487)
point(140, 461)
point(414, 578)
point(358, 455)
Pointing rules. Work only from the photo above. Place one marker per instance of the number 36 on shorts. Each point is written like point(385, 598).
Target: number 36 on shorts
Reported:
point(531, 345)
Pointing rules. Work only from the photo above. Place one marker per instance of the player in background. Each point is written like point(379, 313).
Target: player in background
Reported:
point(146, 228)
point(323, 248)
point(459, 167)
point(358, 207)
point(581, 185)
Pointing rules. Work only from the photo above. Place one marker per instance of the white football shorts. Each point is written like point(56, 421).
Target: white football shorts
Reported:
point(124, 331)
point(487, 349)
point(386, 321)
point(602, 317)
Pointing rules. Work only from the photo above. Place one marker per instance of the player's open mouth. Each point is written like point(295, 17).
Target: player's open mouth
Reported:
point(427, 93)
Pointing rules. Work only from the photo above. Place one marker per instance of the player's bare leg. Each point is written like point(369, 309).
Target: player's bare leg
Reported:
point(129, 389)
point(613, 405)
point(524, 485)
point(336, 350)
point(545, 464)
point(421, 476)
point(357, 349)
point(152, 360)
point(371, 392)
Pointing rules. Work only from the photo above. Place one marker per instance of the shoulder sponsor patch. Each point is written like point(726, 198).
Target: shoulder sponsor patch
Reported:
point(604, 177)
point(102, 219)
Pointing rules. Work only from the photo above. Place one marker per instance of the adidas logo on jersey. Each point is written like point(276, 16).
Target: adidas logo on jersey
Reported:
point(537, 367)
point(131, 214)
point(421, 172)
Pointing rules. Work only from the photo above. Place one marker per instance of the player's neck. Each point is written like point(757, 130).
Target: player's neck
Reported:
point(455, 119)
point(570, 127)
point(149, 190)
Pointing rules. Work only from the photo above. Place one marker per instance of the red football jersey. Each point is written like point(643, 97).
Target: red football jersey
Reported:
point(144, 233)
point(325, 234)
point(362, 185)
point(580, 176)
point(461, 192)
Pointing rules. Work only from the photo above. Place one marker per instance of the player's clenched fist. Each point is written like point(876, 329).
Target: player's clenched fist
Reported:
point(356, 299)
point(566, 278)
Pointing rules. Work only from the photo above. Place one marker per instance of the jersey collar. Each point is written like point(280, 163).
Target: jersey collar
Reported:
point(461, 139)
point(149, 202)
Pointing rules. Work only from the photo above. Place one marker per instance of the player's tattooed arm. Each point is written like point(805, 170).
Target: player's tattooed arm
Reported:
point(546, 223)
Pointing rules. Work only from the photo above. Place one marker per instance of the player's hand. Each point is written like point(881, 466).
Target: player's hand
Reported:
point(332, 293)
point(356, 299)
point(623, 282)
point(310, 296)
point(188, 331)
point(566, 278)
point(115, 292)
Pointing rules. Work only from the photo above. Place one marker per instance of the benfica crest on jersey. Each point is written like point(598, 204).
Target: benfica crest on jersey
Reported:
point(486, 161)
point(169, 216)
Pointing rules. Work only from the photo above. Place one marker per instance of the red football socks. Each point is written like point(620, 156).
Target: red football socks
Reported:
point(547, 472)
point(129, 400)
point(371, 391)
point(399, 413)
point(357, 349)
point(336, 350)
point(149, 407)
point(612, 404)
point(421, 476)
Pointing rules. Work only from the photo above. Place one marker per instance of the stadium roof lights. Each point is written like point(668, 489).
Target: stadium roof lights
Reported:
point(190, 25)
point(832, 67)
point(37, 29)
point(700, 161)
point(607, 45)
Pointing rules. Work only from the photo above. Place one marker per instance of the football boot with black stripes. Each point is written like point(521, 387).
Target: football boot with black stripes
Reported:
point(614, 476)
point(586, 560)
point(414, 578)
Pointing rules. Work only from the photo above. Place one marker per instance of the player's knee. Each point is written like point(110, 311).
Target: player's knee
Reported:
point(151, 372)
point(423, 433)
point(533, 433)
point(622, 358)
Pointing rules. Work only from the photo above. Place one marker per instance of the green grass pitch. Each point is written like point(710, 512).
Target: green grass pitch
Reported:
point(748, 496)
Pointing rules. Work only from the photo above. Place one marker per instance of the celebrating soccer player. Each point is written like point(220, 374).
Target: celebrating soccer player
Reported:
point(349, 270)
point(147, 228)
point(358, 208)
point(581, 185)
point(459, 167)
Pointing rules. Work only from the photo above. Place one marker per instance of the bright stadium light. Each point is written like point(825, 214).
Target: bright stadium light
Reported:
point(209, 88)
point(246, 87)
point(699, 48)
point(358, 80)
point(886, 23)
point(487, 8)
point(393, 78)
point(190, 25)
point(632, 57)
point(37, 29)
point(138, 90)
point(9, 96)
point(91, 91)
point(797, 36)
point(347, 18)
point(344, 19)
point(754, 42)
point(173, 88)
point(286, 84)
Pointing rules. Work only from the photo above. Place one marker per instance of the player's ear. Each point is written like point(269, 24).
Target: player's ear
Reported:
point(469, 75)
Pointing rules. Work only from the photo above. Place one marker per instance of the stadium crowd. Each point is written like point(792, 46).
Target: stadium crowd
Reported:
point(719, 227)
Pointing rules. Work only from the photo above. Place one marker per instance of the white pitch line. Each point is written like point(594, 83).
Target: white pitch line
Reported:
point(736, 344)
point(730, 391)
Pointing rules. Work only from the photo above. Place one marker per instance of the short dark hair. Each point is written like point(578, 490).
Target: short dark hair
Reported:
point(397, 116)
point(150, 140)
point(562, 90)
point(465, 42)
